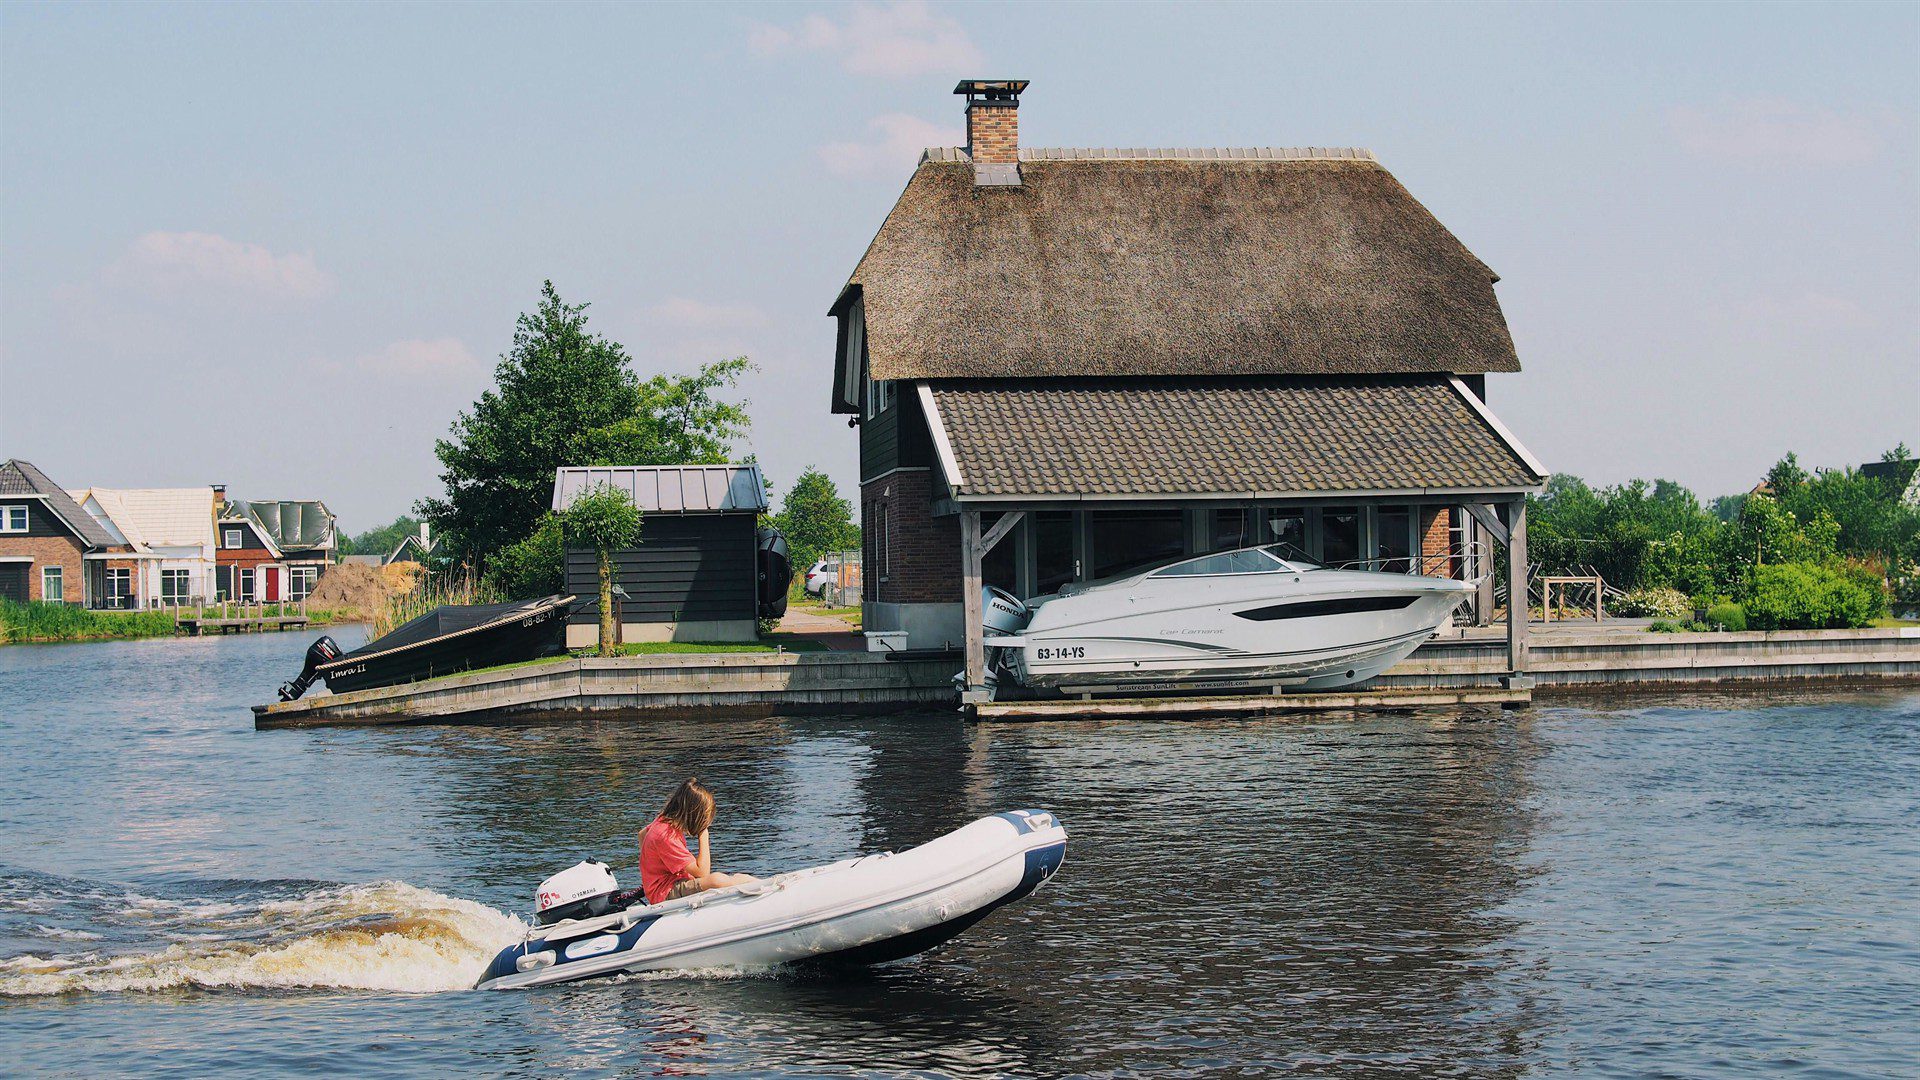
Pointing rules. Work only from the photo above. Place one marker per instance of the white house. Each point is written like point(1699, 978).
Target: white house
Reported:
point(169, 534)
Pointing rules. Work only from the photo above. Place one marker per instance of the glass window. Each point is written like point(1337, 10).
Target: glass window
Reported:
point(1396, 539)
point(53, 584)
point(1124, 540)
point(300, 581)
point(1234, 529)
point(14, 519)
point(174, 586)
point(119, 586)
point(230, 538)
point(1053, 562)
point(1226, 562)
point(1285, 527)
point(1001, 565)
point(245, 575)
point(1339, 535)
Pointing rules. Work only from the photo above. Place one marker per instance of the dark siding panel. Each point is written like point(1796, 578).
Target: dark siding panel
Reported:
point(897, 438)
point(687, 567)
point(916, 440)
point(249, 537)
point(41, 522)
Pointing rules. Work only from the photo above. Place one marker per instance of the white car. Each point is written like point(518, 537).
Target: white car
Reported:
point(822, 574)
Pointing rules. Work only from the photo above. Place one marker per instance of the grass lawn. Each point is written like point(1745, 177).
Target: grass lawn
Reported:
point(1891, 623)
point(769, 643)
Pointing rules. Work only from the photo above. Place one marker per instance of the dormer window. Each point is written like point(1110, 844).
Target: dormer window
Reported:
point(882, 394)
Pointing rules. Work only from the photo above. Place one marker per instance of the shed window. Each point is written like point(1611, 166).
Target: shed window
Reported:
point(14, 520)
point(53, 584)
point(230, 538)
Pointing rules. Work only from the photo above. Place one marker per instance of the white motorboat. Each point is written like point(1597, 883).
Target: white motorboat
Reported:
point(1251, 616)
point(867, 910)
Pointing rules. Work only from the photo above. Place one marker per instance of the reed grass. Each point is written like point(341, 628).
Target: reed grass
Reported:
point(430, 593)
point(69, 622)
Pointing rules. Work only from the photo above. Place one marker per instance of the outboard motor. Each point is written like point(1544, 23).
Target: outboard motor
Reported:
point(581, 891)
point(1002, 612)
point(774, 567)
point(323, 651)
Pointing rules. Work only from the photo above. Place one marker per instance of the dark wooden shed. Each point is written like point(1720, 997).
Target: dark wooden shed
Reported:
point(694, 575)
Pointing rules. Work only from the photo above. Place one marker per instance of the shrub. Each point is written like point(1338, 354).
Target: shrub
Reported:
point(1728, 617)
point(70, 622)
point(1653, 604)
point(1812, 596)
point(1662, 626)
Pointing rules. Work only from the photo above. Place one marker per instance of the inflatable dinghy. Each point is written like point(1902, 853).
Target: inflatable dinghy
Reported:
point(867, 910)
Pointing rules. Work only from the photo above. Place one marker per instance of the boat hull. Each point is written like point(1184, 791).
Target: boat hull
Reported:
point(1137, 643)
point(869, 910)
point(538, 630)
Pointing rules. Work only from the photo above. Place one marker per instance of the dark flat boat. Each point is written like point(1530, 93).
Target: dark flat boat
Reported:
point(444, 641)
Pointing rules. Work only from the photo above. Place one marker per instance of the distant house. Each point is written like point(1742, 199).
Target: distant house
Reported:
point(694, 576)
point(271, 550)
point(47, 542)
point(167, 534)
point(413, 548)
point(1904, 475)
point(1071, 364)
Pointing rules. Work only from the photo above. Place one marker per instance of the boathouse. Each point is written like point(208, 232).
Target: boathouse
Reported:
point(694, 576)
point(1066, 364)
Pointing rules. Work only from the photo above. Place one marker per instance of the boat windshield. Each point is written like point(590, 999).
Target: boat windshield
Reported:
point(1292, 556)
point(1243, 561)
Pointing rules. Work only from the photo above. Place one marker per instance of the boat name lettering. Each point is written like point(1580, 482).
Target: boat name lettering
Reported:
point(1064, 652)
point(1191, 632)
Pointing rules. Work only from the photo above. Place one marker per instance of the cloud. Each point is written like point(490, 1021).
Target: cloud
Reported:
point(897, 142)
point(1773, 131)
point(420, 358)
point(193, 262)
point(695, 314)
point(888, 40)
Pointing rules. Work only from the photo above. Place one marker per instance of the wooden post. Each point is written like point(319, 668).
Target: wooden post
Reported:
point(976, 691)
point(1517, 589)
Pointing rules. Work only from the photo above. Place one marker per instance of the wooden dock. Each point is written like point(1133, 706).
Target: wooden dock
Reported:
point(195, 626)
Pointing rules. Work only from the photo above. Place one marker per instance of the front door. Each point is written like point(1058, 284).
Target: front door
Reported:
point(270, 584)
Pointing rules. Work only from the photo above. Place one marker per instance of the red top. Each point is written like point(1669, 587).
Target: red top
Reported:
point(664, 859)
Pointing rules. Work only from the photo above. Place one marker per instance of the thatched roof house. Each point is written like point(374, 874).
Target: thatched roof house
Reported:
point(1162, 352)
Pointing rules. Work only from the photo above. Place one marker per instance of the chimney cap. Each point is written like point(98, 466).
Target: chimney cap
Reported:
point(1008, 90)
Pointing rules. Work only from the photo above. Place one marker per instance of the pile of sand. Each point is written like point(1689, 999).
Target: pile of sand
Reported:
point(351, 587)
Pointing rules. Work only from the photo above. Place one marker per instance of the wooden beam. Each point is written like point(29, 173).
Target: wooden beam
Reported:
point(1517, 589)
point(970, 552)
point(1483, 514)
point(1000, 529)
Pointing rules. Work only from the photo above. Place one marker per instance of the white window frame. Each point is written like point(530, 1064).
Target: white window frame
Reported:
point(882, 394)
point(6, 518)
point(183, 592)
point(301, 579)
point(232, 539)
point(54, 574)
point(124, 576)
point(243, 584)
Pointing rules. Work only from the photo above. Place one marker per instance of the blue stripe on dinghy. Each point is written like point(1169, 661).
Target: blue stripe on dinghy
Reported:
point(1027, 821)
point(507, 963)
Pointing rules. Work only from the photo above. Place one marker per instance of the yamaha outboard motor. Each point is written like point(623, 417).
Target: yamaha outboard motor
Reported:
point(581, 891)
point(323, 651)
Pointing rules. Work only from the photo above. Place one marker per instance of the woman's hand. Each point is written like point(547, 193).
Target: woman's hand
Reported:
point(703, 862)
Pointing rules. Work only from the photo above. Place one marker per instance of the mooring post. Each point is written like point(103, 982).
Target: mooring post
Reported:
point(974, 613)
point(1517, 596)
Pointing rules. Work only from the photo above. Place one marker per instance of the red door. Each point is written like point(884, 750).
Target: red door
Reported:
point(271, 586)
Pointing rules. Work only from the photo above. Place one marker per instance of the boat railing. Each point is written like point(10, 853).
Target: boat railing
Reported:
point(1466, 562)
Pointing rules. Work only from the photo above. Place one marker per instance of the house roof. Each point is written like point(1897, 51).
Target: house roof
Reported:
point(24, 478)
point(670, 489)
point(1172, 262)
point(168, 517)
point(1259, 437)
point(289, 525)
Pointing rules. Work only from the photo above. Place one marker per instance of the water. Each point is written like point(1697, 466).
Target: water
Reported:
point(1710, 887)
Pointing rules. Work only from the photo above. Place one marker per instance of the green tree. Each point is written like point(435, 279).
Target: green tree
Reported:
point(382, 539)
point(815, 519)
point(534, 566)
point(564, 395)
point(603, 518)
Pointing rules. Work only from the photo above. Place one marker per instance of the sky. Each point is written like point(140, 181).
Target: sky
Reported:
point(281, 246)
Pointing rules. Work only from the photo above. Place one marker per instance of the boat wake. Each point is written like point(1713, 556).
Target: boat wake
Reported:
point(64, 937)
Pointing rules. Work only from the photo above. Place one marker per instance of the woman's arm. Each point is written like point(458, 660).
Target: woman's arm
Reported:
point(703, 862)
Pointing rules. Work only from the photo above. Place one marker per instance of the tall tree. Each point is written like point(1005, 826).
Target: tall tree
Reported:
point(564, 395)
point(815, 519)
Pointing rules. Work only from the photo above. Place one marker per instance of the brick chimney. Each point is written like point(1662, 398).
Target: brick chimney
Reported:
point(219, 498)
point(993, 129)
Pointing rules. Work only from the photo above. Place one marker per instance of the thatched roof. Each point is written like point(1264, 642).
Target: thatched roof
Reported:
point(1188, 263)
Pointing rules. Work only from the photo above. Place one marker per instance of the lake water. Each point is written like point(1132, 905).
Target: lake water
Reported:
point(1702, 887)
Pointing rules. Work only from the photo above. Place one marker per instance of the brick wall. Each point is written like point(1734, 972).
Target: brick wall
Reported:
point(993, 133)
point(1436, 544)
point(922, 564)
point(50, 551)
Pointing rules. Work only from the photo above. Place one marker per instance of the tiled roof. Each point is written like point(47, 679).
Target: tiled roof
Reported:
point(24, 478)
point(171, 517)
point(1236, 438)
point(669, 489)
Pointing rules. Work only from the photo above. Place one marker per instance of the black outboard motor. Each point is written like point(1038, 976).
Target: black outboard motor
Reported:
point(775, 571)
point(323, 651)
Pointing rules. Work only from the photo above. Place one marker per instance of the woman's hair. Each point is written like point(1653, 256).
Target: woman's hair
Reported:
point(690, 808)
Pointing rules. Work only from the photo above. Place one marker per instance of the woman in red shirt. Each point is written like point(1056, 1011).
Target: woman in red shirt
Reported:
point(668, 871)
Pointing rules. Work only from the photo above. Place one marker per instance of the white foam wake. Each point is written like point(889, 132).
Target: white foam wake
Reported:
point(385, 936)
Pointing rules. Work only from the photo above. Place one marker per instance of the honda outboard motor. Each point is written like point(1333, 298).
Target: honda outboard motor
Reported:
point(323, 651)
point(581, 891)
point(1003, 612)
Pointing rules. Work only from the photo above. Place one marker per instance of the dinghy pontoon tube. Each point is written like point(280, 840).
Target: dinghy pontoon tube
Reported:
point(867, 910)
